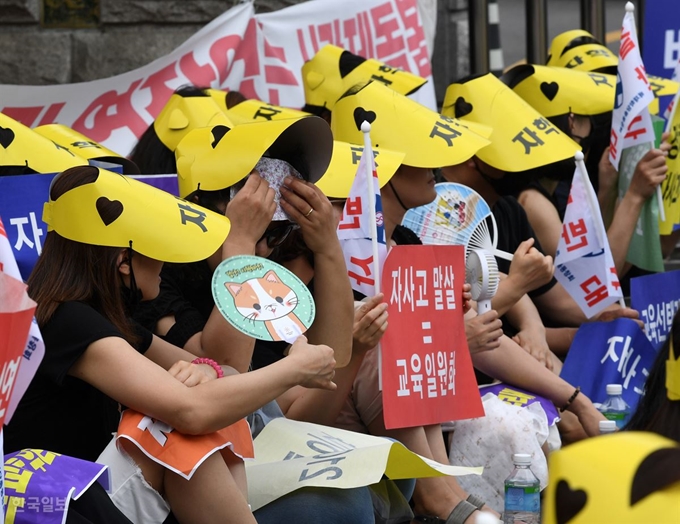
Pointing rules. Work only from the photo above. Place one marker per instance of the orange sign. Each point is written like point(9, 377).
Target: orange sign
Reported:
point(182, 453)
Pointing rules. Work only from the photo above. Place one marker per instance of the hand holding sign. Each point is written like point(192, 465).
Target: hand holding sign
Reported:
point(650, 172)
point(370, 323)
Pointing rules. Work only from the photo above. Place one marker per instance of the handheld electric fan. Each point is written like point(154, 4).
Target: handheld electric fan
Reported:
point(481, 272)
point(457, 216)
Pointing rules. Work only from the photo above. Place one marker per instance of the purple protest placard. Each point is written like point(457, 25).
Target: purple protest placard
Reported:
point(40, 484)
point(522, 398)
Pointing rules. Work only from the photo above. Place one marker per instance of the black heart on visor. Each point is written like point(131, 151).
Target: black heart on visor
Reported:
point(6, 137)
point(568, 502)
point(361, 116)
point(462, 107)
point(218, 133)
point(109, 210)
point(550, 89)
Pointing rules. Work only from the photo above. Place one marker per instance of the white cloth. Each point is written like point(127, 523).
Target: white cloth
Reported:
point(490, 441)
point(130, 492)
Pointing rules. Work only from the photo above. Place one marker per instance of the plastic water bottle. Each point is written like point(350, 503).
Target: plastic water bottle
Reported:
point(522, 493)
point(615, 408)
point(607, 426)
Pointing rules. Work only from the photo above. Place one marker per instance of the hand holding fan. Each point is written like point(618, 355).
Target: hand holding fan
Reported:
point(457, 216)
point(481, 272)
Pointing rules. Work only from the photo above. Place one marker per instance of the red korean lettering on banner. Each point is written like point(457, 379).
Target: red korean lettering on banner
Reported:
point(641, 74)
point(575, 235)
point(427, 370)
point(415, 38)
point(634, 133)
point(595, 291)
point(627, 45)
point(351, 214)
point(613, 144)
point(388, 32)
point(36, 115)
point(357, 266)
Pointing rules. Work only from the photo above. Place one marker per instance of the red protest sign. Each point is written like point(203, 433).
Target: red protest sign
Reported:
point(16, 315)
point(426, 366)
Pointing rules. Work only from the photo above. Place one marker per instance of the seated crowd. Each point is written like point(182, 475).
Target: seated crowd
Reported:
point(124, 286)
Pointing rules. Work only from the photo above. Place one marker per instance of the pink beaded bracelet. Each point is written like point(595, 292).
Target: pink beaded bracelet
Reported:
point(210, 362)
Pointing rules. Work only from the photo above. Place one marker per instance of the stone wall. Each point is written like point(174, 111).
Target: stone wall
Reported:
point(133, 33)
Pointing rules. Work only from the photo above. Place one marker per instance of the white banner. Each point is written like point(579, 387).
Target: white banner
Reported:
point(631, 123)
point(583, 263)
point(261, 56)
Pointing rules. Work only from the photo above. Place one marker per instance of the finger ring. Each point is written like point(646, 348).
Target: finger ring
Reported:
point(311, 209)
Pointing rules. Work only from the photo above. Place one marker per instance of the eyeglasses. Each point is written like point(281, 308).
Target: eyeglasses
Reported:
point(277, 235)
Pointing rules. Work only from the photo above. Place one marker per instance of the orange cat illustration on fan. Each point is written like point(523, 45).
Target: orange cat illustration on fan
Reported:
point(268, 300)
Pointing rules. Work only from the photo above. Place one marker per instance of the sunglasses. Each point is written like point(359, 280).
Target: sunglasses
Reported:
point(277, 235)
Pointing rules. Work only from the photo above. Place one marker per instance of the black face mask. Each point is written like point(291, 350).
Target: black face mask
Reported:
point(132, 296)
point(510, 184)
point(586, 142)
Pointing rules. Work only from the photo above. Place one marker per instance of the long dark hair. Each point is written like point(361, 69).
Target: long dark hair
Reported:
point(73, 271)
point(655, 412)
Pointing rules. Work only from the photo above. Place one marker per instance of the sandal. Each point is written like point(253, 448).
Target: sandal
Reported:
point(459, 515)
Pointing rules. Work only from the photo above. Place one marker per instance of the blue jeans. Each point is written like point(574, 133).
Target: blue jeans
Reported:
point(314, 505)
point(330, 506)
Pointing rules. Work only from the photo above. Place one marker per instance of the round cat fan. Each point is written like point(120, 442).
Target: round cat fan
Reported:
point(481, 272)
point(458, 216)
point(262, 299)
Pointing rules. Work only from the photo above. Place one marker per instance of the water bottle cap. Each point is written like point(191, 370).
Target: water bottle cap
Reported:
point(521, 459)
point(607, 426)
point(614, 389)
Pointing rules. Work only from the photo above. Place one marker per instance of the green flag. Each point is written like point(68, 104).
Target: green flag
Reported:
point(645, 246)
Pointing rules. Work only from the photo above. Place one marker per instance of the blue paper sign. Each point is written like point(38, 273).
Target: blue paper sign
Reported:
point(661, 37)
point(602, 353)
point(657, 298)
point(21, 206)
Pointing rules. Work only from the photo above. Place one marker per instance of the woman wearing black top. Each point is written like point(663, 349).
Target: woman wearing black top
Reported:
point(97, 257)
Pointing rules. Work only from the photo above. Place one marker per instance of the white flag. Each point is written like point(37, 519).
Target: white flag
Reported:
point(583, 263)
point(631, 122)
point(35, 347)
point(356, 231)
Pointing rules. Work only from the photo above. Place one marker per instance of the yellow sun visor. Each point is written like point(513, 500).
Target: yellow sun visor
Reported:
point(426, 138)
point(626, 477)
point(258, 111)
point(215, 158)
point(85, 147)
point(554, 91)
point(183, 114)
point(324, 84)
point(21, 146)
point(672, 373)
point(339, 177)
point(587, 57)
point(663, 86)
point(118, 211)
point(522, 138)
